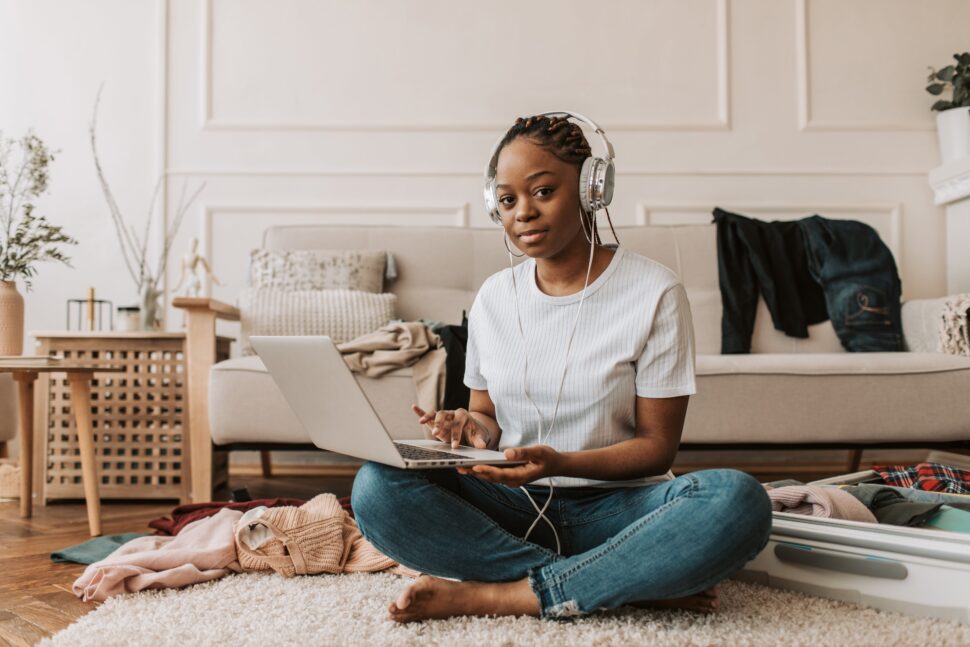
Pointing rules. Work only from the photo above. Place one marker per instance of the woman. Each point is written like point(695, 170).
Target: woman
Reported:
point(595, 405)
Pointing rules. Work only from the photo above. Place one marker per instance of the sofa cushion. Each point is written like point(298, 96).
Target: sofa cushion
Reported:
point(318, 269)
point(829, 398)
point(246, 406)
point(342, 315)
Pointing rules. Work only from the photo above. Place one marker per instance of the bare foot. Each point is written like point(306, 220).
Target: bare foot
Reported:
point(703, 602)
point(431, 597)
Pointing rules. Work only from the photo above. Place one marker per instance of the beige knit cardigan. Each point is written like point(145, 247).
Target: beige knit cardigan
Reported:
point(317, 537)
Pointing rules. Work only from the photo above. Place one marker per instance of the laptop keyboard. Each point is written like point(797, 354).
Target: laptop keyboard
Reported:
point(413, 453)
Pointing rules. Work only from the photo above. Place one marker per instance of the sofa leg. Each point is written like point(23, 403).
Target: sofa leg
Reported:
point(4, 452)
point(855, 457)
point(266, 463)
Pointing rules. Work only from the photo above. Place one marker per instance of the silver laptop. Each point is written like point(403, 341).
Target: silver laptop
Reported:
point(335, 411)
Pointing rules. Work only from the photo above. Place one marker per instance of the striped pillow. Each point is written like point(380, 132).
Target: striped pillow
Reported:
point(340, 314)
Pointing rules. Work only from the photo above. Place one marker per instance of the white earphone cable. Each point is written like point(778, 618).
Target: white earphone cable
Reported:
point(562, 382)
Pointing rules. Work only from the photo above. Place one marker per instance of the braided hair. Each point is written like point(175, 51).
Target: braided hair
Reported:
point(558, 135)
point(561, 137)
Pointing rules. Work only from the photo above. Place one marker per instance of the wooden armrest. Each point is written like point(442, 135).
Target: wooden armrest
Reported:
point(218, 308)
point(200, 354)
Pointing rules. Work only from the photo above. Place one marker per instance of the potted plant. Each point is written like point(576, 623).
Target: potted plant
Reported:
point(953, 118)
point(26, 237)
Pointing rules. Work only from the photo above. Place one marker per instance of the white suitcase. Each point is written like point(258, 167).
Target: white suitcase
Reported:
point(916, 571)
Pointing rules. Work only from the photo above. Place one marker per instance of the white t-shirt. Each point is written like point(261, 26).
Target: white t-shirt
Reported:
point(634, 338)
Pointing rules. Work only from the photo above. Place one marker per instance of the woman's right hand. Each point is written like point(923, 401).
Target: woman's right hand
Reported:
point(457, 427)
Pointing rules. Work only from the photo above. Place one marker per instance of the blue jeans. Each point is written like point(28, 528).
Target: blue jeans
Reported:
point(862, 288)
point(619, 545)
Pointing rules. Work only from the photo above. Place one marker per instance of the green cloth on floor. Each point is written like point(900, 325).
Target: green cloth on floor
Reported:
point(93, 550)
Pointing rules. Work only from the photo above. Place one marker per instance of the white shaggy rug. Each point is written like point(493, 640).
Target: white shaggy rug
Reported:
point(265, 610)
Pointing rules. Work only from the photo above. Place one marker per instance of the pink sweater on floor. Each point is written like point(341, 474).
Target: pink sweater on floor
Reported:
point(204, 550)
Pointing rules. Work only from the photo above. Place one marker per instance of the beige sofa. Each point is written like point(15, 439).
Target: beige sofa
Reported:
point(789, 392)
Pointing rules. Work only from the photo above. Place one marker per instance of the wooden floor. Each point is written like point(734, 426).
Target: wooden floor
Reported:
point(35, 593)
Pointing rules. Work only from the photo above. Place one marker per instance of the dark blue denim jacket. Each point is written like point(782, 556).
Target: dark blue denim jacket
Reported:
point(862, 288)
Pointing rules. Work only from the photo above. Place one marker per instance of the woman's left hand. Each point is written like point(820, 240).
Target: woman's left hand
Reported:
point(542, 460)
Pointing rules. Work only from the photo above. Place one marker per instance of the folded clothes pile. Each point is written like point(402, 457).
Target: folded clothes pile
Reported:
point(899, 508)
point(926, 501)
point(819, 501)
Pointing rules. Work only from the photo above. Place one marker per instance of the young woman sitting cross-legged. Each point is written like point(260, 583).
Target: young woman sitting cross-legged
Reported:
point(580, 362)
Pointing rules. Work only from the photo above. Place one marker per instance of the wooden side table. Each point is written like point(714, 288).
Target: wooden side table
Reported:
point(25, 372)
point(141, 416)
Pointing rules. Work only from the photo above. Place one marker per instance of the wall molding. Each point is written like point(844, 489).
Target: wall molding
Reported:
point(805, 120)
point(210, 122)
point(231, 172)
point(162, 132)
point(893, 212)
point(951, 189)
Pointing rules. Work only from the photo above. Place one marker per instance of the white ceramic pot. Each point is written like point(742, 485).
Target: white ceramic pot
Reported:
point(11, 319)
point(953, 129)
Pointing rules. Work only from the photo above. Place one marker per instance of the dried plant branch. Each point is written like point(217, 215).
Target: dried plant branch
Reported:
point(173, 230)
point(134, 248)
point(124, 239)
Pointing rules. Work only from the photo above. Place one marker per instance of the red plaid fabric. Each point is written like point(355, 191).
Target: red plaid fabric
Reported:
point(932, 477)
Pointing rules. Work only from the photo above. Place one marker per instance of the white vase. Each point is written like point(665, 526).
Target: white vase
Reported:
point(953, 130)
point(11, 319)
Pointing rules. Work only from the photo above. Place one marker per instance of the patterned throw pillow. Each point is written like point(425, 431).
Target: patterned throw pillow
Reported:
point(340, 314)
point(318, 269)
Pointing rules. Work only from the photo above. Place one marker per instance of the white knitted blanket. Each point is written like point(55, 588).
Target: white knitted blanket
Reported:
point(954, 330)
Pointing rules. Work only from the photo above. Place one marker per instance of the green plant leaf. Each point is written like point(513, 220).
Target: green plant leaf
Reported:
point(935, 89)
point(942, 105)
point(946, 74)
point(963, 59)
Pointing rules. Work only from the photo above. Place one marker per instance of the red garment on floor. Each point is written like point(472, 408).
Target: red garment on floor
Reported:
point(186, 514)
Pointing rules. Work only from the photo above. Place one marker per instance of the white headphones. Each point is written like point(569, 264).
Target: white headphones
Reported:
point(595, 177)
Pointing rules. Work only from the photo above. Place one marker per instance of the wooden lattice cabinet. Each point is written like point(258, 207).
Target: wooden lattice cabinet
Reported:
point(140, 417)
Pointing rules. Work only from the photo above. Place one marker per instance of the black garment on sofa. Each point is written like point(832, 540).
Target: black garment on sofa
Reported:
point(857, 272)
point(767, 258)
point(455, 340)
point(808, 270)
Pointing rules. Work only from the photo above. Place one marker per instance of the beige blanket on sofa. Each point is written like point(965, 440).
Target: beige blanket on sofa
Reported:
point(398, 345)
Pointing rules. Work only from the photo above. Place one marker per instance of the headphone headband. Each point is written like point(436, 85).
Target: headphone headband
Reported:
point(595, 178)
point(558, 113)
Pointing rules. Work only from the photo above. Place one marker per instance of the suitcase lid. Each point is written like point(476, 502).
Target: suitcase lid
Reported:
point(922, 542)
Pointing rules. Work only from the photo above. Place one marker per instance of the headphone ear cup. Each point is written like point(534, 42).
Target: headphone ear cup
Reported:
point(491, 202)
point(596, 180)
point(609, 173)
point(584, 185)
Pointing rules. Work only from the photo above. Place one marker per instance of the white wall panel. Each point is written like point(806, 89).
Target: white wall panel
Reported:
point(862, 63)
point(437, 65)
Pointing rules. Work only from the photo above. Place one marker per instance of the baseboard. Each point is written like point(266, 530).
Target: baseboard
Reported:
point(247, 469)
